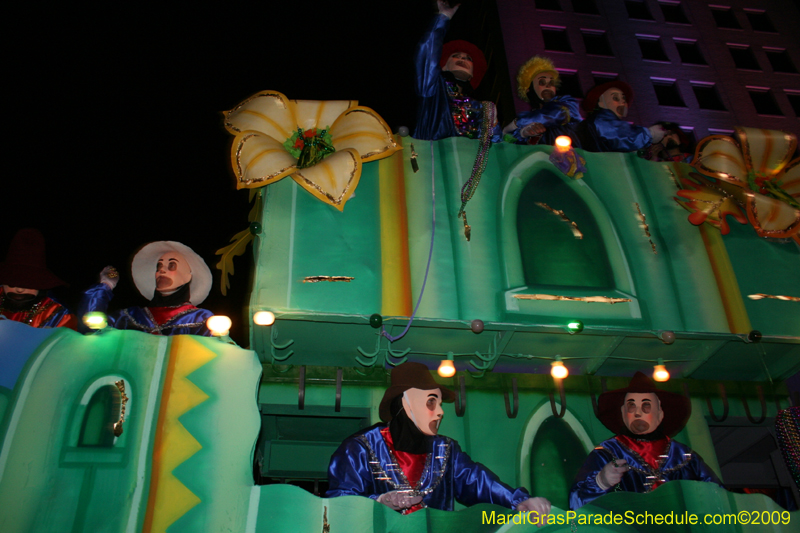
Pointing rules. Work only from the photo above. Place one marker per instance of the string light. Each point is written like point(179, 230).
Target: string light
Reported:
point(575, 326)
point(660, 371)
point(95, 320)
point(446, 368)
point(563, 143)
point(264, 318)
point(557, 369)
point(667, 337)
point(220, 325)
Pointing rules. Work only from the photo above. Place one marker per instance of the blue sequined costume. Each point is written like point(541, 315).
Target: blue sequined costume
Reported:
point(187, 321)
point(603, 131)
point(361, 466)
point(444, 111)
point(680, 463)
point(560, 115)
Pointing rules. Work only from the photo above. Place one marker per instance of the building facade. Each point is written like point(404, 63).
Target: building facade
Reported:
point(706, 65)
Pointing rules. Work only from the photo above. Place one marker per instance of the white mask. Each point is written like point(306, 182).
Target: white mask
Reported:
point(424, 408)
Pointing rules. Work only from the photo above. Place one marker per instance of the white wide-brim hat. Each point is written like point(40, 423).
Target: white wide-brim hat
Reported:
point(143, 269)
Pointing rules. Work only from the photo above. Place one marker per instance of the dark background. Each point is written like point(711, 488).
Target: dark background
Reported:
point(115, 134)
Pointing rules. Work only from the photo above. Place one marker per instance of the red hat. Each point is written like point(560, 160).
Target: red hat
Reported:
point(478, 59)
point(590, 102)
point(677, 408)
point(25, 266)
point(410, 376)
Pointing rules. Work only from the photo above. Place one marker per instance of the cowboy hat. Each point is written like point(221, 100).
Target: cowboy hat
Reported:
point(410, 376)
point(478, 59)
point(590, 102)
point(143, 268)
point(676, 407)
point(25, 265)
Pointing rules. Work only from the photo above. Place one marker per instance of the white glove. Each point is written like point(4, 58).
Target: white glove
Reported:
point(611, 474)
point(539, 506)
point(446, 10)
point(658, 132)
point(109, 277)
point(399, 499)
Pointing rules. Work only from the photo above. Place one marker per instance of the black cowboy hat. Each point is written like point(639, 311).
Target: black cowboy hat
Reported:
point(677, 408)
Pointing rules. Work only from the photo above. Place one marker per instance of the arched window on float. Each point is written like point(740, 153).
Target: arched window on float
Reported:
point(551, 453)
point(557, 250)
point(98, 419)
point(558, 239)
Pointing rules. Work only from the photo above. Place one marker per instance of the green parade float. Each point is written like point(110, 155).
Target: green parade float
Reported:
point(602, 275)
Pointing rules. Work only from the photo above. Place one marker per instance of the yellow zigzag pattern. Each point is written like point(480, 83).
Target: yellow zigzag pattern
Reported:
point(169, 498)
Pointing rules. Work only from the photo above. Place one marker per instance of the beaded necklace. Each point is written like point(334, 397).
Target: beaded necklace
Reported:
point(35, 309)
point(469, 188)
point(787, 426)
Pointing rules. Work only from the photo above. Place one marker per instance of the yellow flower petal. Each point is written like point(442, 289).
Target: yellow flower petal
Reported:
point(771, 217)
point(719, 156)
point(259, 160)
point(268, 112)
point(790, 179)
point(319, 114)
point(766, 151)
point(333, 179)
point(364, 130)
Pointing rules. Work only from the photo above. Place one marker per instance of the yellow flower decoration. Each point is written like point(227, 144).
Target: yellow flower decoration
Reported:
point(753, 170)
point(320, 144)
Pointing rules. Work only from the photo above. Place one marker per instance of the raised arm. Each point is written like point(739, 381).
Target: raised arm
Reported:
point(429, 50)
point(97, 297)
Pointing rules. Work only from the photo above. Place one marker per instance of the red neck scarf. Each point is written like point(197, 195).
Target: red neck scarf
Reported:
point(162, 315)
point(410, 463)
point(649, 450)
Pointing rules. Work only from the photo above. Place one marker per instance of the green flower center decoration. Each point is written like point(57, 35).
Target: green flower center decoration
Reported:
point(764, 185)
point(309, 147)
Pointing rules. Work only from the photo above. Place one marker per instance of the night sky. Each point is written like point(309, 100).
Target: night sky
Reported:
point(115, 137)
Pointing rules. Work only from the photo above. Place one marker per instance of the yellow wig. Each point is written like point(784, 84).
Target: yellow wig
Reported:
point(527, 72)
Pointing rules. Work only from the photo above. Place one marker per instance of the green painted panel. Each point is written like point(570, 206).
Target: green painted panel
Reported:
point(49, 482)
point(667, 277)
point(286, 508)
point(556, 456)
point(551, 253)
point(777, 272)
point(303, 237)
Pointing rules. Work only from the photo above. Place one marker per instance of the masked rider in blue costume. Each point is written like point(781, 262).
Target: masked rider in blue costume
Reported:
point(605, 130)
point(407, 466)
point(446, 76)
point(550, 115)
point(175, 280)
point(642, 455)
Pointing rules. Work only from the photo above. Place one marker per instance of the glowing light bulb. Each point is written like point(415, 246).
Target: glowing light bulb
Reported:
point(660, 372)
point(264, 318)
point(95, 320)
point(563, 143)
point(576, 326)
point(558, 370)
point(219, 325)
point(447, 369)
